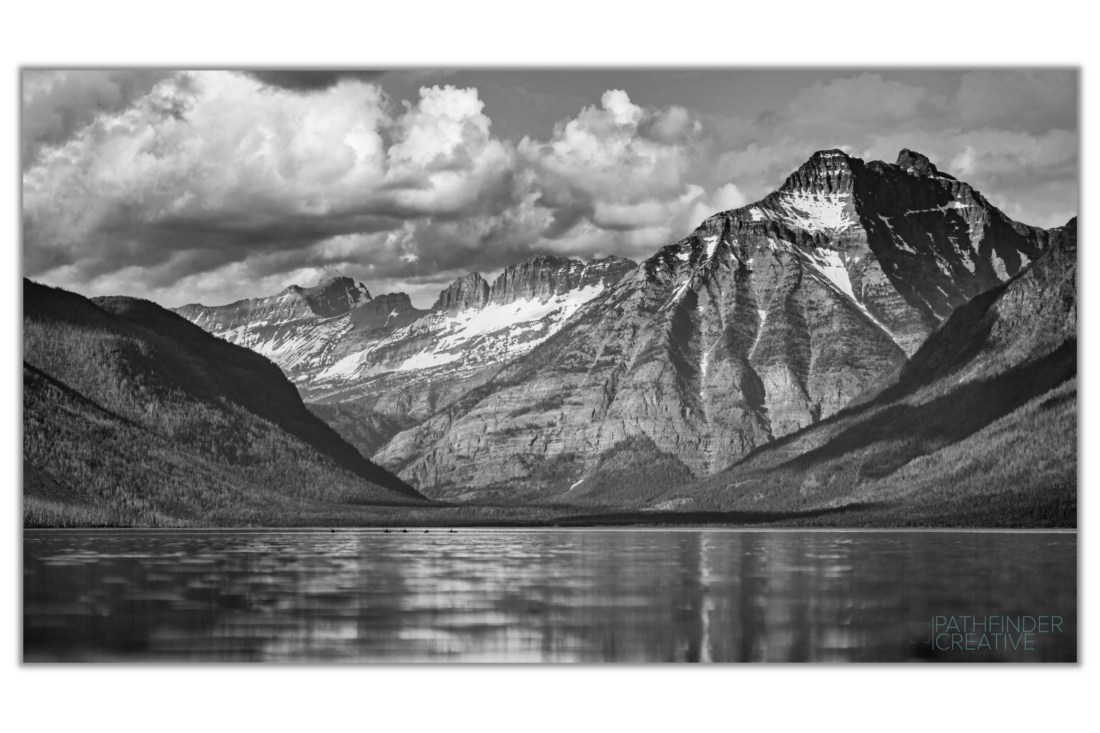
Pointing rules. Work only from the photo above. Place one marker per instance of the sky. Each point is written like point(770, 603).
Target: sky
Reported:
point(212, 186)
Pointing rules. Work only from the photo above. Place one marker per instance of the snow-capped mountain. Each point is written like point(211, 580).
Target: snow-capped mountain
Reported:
point(337, 344)
point(280, 326)
point(766, 319)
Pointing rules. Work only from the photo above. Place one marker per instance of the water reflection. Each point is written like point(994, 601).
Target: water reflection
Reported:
point(584, 595)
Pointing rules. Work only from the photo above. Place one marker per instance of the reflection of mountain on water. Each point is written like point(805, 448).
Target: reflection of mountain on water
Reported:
point(584, 595)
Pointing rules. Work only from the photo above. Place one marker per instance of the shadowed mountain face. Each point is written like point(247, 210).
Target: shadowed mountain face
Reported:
point(765, 320)
point(148, 419)
point(984, 415)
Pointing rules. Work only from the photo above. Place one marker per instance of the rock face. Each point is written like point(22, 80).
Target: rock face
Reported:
point(466, 293)
point(542, 278)
point(384, 314)
point(394, 365)
point(327, 298)
point(980, 426)
point(763, 321)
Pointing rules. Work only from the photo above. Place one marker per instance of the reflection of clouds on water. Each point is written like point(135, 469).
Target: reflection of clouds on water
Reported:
point(514, 595)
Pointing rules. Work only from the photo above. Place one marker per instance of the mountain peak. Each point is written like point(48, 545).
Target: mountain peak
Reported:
point(826, 171)
point(831, 153)
point(467, 292)
point(544, 260)
point(914, 162)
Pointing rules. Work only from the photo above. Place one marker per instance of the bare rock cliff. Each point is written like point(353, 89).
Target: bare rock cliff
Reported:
point(765, 320)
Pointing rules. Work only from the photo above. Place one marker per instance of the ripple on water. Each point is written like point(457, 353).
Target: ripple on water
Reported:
point(515, 595)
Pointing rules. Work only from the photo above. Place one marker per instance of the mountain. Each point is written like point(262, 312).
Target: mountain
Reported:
point(979, 427)
point(387, 365)
point(134, 416)
point(765, 320)
point(331, 296)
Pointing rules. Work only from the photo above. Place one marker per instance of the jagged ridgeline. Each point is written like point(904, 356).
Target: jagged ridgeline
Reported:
point(546, 384)
point(380, 366)
point(978, 428)
point(133, 416)
point(765, 320)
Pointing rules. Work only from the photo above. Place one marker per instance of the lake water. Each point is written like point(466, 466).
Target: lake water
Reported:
point(587, 595)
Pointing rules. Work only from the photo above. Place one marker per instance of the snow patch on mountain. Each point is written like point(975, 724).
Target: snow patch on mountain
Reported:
point(469, 339)
point(492, 318)
point(998, 266)
point(817, 212)
point(828, 264)
point(950, 206)
point(287, 343)
point(899, 241)
point(763, 316)
point(711, 243)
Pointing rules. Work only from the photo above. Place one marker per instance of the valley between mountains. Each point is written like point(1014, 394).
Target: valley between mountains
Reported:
point(872, 343)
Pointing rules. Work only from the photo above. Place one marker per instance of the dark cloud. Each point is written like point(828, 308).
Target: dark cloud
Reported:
point(567, 213)
point(58, 104)
point(309, 80)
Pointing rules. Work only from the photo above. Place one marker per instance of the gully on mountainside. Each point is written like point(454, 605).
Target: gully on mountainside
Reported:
point(763, 321)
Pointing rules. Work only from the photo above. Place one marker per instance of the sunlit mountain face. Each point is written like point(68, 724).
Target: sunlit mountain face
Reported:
point(765, 320)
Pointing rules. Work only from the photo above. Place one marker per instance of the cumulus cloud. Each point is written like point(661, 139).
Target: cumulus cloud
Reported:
point(623, 173)
point(213, 168)
point(57, 104)
point(211, 186)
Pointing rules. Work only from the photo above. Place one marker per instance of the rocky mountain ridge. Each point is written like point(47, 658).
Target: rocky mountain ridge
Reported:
point(765, 320)
point(331, 296)
point(395, 364)
point(980, 426)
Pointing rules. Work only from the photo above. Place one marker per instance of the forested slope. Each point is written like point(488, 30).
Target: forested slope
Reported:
point(133, 416)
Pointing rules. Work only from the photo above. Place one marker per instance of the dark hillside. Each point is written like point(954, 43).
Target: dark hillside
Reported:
point(146, 417)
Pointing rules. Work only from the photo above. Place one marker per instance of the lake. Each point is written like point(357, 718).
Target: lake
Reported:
point(584, 595)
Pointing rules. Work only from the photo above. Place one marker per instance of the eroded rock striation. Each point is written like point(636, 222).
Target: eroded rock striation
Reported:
point(979, 427)
point(544, 277)
point(470, 292)
point(765, 320)
point(329, 297)
point(391, 365)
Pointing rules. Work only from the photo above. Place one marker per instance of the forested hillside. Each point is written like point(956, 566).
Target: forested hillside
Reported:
point(133, 416)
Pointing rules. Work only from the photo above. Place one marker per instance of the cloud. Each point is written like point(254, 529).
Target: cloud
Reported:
point(863, 100)
point(1019, 100)
point(213, 168)
point(673, 125)
point(623, 173)
point(729, 197)
point(57, 104)
point(309, 80)
point(210, 186)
